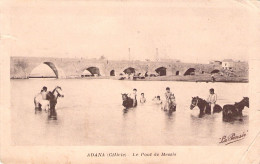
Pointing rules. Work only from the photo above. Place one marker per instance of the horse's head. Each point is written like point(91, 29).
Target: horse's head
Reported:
point(124, 96)
point(246, 101)
point(240, 105)
point(58, 92)
point(194, 102)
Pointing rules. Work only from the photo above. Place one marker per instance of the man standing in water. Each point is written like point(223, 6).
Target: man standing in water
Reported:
point(41, 101)
point(134, 97)
point(157, 100)
point(142, 99)
point(212, 99)
point(44, 93)
point(169, 97)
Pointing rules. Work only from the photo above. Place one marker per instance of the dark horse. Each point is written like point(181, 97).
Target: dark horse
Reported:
point(232, 111)
point(52, 97)
point(204, 106)
point(127, 101)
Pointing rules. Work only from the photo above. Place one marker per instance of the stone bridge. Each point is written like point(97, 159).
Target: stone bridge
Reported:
point(22, 67)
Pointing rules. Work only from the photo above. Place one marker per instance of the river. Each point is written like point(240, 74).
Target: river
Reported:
point(91, 113)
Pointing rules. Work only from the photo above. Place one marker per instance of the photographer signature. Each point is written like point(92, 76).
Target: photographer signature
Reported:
point(233, 137)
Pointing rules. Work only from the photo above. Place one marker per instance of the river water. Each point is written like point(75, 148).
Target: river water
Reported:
point(91, 113)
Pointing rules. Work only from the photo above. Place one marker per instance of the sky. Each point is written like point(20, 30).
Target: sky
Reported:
point(184, 30)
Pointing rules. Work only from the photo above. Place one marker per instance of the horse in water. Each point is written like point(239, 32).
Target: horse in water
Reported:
point(127, 101)
point(53, 97)
point(232, 111)
point(204, 106)
point(41, 102)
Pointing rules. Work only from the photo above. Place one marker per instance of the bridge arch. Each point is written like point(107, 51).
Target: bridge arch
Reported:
point(190, 71)
point(215, 71)
point(112, 73)
point(129, 70)
point(41, 71)
point(162, 71)
point(95, 71)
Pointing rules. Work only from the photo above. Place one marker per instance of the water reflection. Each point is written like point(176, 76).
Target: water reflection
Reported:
point(170, 120)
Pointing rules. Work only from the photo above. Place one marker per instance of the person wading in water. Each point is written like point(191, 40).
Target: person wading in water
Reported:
point(142, 99)
point(157, 100)
point(212, 99)
point(134, 97)
point(169, 97)
point(45, 102)
point(40, 100)
point(44, 93)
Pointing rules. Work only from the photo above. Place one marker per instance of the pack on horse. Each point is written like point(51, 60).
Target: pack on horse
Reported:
point(204, 106)
point(232, 111)
point(128, 102)
point(52, 97)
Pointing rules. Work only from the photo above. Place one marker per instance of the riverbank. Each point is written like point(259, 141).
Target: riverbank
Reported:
point(194, 78)
point(197, 78)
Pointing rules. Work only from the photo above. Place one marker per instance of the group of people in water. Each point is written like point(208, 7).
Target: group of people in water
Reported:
point(169, 99)
point(41, 101)
point(47, 100)
point(205, 106)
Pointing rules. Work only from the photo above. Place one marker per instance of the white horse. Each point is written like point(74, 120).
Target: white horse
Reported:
point(41, 102)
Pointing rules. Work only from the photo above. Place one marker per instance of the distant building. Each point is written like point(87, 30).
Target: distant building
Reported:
point(169, 60)
point(227, 64)
point(215, 62)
